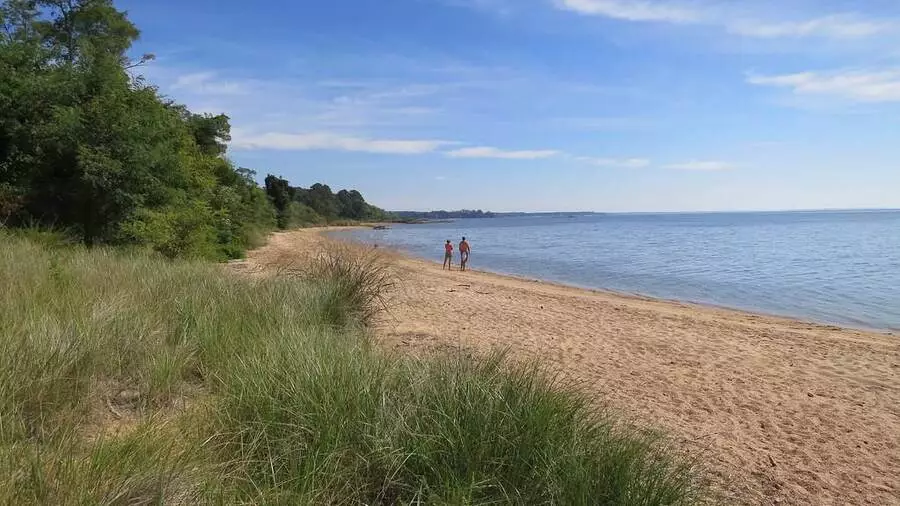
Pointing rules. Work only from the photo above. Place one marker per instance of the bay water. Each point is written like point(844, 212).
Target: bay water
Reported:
point(836, 267)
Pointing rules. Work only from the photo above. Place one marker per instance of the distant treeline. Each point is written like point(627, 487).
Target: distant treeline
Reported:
point(318, 204)
point(443, 215)
point(466, 213)
point(88, 147)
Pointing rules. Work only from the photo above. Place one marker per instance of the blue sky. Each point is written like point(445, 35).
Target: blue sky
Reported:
point(537, 105)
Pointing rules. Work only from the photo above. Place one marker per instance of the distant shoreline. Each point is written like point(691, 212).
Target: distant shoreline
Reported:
point(657, 213)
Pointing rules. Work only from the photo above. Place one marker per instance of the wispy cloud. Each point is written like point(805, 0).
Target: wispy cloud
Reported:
point(397, 101)
point(703, 166)
point(491, 152)
point(208, 83)
point(835, 26)
point(634, 10)
point(502, 7)
point(332, 142)
point(733, 20)
point(603, 123)
point(854, 85)
point(625, 163)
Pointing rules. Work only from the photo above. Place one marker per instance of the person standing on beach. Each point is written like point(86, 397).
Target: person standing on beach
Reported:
point(464, 250)
point(448, 256)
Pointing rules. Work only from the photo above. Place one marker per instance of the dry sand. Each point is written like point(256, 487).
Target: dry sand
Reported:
point(781, 411)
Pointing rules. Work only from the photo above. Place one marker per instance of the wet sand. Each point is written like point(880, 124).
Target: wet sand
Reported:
point(781, 411)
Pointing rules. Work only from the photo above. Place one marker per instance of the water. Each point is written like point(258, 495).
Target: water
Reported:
point(831, 267)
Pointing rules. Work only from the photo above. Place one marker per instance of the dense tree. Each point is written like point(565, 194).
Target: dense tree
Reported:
point(281, 195)
point(322, 200)
point(318, 204)
point(88, 147)
point(211, 132)
point(74, 115)
point(85, 146)
point(351, 205)
point(279, 191)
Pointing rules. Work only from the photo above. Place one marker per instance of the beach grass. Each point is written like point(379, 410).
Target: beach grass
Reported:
point(126, 378)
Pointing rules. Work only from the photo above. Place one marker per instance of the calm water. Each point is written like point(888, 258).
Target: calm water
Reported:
point(832, 267)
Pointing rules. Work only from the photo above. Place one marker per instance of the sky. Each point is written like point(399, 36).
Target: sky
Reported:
point(548, 105)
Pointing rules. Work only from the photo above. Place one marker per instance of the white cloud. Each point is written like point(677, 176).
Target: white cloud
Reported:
point(733, 20)
point(855, 85)
point(332, 142)
point(696, 165)
point(626, 163)
point(207, 83)
point(633, 10)
point(836, 26)
point(490, 152)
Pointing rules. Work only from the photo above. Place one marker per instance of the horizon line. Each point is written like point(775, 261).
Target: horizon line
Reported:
point(737, 211)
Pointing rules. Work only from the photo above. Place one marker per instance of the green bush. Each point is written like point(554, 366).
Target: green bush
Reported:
point(298, 215)
point(180, 231)
point(88, 148)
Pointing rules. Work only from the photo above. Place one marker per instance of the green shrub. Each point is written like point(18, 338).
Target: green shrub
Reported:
point(45, 237)
point(298, 215)
point(176, 232)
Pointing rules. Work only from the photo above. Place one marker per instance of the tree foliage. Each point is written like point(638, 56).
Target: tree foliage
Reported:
point(318, 204)
point(88, 147)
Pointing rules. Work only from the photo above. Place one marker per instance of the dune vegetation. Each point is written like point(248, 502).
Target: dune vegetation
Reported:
point(128, 378)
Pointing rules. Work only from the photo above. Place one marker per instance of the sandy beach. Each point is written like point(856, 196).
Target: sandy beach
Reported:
point(781, 411)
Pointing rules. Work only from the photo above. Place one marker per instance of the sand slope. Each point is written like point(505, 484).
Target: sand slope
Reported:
point(782, 411)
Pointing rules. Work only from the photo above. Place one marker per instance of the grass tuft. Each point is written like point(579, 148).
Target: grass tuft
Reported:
point(354, 282)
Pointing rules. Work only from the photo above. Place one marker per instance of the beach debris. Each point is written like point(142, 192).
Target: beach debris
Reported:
point(772, 461)
point(126, 397)
point(810, 394)
point(115, 412)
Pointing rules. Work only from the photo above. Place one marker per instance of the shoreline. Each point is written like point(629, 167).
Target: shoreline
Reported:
point(826, 325)
point(779, 410)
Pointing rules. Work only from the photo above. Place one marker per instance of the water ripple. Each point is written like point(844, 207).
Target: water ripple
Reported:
point(834, 267)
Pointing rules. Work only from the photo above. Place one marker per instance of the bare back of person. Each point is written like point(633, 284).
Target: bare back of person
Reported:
point(464, 250)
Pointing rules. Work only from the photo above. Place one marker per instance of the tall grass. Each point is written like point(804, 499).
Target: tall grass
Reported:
point(129, 379)
point(355, 282)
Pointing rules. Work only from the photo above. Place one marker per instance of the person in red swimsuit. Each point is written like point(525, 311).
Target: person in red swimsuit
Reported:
point(448, 256)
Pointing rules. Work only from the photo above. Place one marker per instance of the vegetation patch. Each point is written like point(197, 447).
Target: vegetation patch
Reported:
point(89, 147)
point(126, 378)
